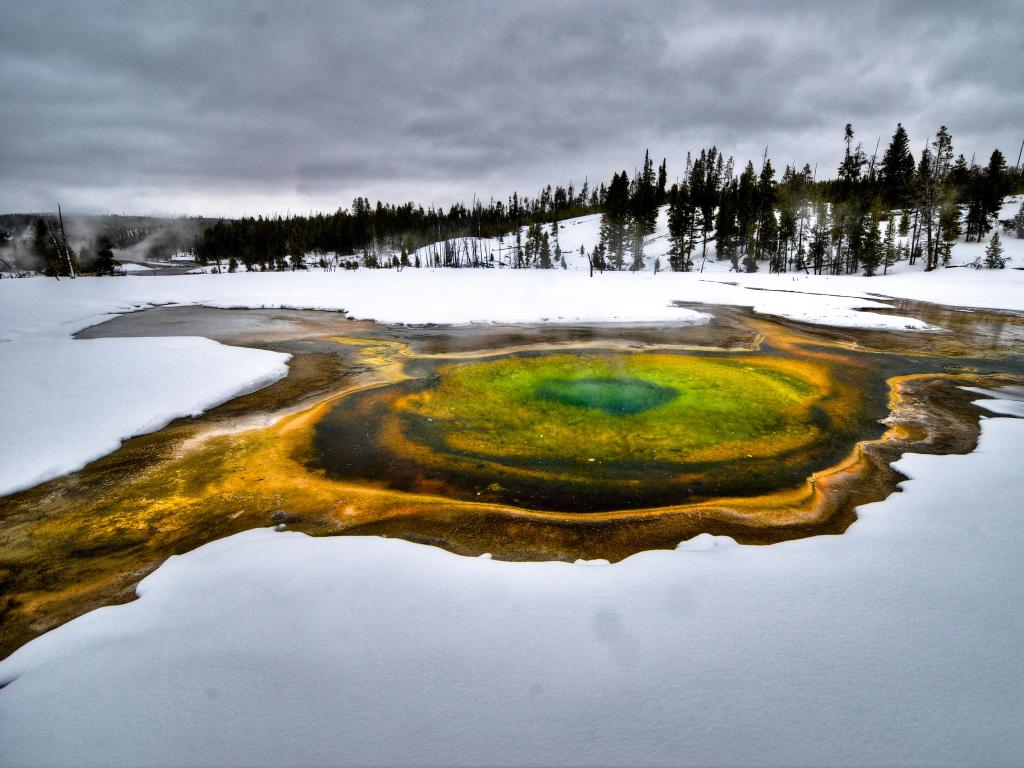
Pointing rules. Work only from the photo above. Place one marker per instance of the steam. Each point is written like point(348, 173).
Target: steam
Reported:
point(134, 238)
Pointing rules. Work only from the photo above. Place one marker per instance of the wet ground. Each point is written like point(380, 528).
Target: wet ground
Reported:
point(86, 539)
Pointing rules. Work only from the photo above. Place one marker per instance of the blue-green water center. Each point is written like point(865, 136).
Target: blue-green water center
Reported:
point(622, 396)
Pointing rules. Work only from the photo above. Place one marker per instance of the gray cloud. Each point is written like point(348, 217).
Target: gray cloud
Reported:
point(245, 107)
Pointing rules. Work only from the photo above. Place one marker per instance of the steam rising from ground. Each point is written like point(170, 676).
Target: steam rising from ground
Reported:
point(134, 238)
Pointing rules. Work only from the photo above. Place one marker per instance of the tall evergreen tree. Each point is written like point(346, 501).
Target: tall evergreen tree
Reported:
point(682, 217)
point(727, 232)
point(615, 220)
point(889, 250)
point(767, 225)
point(705, 183)
point(662, 192)
point(872, 250)
point(852, 166)
point(645, 197)
point(746, 209)
point(995, 184)
point(897, 172)
point(544, 256)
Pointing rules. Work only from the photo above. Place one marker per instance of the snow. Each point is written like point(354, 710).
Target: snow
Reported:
point(70, 402)
point(467, 296)
point(131, 266)
point(585, 231)
point(897, 643)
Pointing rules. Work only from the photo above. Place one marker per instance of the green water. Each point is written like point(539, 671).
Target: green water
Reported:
point(615, 395)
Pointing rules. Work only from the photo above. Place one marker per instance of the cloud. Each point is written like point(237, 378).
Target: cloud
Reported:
point(223, 108)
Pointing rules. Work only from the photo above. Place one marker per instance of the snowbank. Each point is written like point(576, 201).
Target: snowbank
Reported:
point(467, 296)
point(70, 402)
point(898, 643)
point(67, 402)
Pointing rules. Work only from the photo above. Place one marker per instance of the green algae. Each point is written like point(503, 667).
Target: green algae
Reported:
point(639, 407)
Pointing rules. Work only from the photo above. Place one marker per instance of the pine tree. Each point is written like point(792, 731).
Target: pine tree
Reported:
point(681, 223)
point(726, 232)
point(897, 170)
point(889, 251)
point(852, 166)
point(931, 181)
point(994, 253)
point(705, 181)
point(615, 220)
point(995, 184)
point(746, 209)
point(872, 251)
point(819, 246)
point(767, 225)
point(662, 194)
point(926, 195)
point(960, 174)
point(904, 229)
point(645, 197)
point(949, 224)
point(544, 252)
point(787, 224)
point(534, 236)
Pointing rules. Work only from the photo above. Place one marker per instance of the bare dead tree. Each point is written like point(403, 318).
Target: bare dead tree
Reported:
point(61, 246)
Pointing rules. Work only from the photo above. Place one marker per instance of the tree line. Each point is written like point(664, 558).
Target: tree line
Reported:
point(388, 235)
point(875, 211)
point(835, 226)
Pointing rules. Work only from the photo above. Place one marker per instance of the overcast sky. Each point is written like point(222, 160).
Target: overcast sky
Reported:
point(261, 107)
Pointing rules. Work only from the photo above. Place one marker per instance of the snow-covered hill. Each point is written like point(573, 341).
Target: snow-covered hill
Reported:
point(585, 232)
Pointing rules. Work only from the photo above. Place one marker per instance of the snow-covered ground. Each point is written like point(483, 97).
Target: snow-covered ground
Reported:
point(585, 232)
point(900, 642)
point(131, 266)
